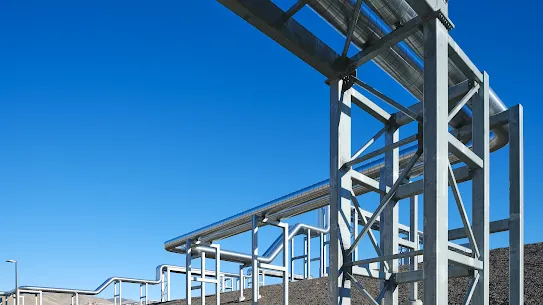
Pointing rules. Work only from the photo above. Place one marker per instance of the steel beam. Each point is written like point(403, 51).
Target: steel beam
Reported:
point(264, 15)
point(188, 274)
point(388, 147)
point(462, 174)
point(390, 216)
point(481, 191)
point(384, 43)
point(414, 238)
point(495, 227)
point(254, 253)
point(387, 99)
point(352, 25)
point(293, 10)
point(516, 206)
point(464, 153)
point(370, 107)
point(435, 143)
point(340, 191)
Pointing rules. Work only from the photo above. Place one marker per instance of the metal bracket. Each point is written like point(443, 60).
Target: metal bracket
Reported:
point(444, 19)
point(349, 80)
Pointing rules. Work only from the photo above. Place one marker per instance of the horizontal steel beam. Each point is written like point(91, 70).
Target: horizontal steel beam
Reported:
point(384, 258)
point(266, 16)
point(407, 190)
point(465, 261)
point(495, 227)
point(464, 153)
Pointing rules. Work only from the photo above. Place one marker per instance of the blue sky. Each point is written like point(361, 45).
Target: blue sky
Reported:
point(124, 124)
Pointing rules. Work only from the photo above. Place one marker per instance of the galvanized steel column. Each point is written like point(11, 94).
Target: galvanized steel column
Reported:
point(516, 208)
point(435, 120)
point(340, 188)
point(481, 191)
point(390, 217)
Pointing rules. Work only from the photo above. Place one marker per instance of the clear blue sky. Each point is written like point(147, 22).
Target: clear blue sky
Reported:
point(126, 123)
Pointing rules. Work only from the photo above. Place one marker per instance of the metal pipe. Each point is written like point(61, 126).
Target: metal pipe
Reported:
point(160, 270)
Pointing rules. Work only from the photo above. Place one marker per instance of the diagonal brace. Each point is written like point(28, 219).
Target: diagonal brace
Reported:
point(352, 25)
point(384, 43)
point(293, 10)
point(464, 153)
point(362, 288)
point(408, 112)
point(386, 199)
point(370, 233)
point(462, 211)
point(370, 142)
point(463, 102)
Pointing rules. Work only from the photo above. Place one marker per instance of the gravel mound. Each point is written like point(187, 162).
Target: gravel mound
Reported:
point(314, 291)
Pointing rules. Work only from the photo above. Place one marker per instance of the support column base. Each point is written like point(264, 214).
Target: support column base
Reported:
point(416, 302)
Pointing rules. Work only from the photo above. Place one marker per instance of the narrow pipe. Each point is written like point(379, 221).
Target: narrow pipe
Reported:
point(159, 278)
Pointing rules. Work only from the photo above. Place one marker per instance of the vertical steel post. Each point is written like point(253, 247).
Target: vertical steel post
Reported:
point(414, 237)
point(292, 254)
point(168, 275)
point(308, 255)
point(41, 298)
point(255, 273)
point(114, 294)
point(322, 255)
point(120, 293)
point(203, 275)
point(340, 191)
point(162, 288)
point(435, 143)
point(516, 205)
point(217, 274)
point(480, 194)
point(188, 274)
point(355, 233)
point(146, 293)
point(285, 264)
point(389, 217)
point(305, 257)
point(241, 284)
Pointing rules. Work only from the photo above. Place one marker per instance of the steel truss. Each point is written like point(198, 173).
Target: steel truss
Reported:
point(442, 258)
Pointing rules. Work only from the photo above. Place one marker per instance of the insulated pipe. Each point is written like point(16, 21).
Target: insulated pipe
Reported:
point(403, 61)
point(159, 278)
